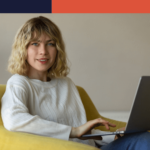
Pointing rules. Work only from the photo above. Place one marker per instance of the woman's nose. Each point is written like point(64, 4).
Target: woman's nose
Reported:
point(43, 50)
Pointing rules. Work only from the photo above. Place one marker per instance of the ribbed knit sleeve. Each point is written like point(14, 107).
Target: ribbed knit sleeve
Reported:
point(16, 116)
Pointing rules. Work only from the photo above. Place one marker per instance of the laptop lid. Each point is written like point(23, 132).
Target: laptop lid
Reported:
point(140, 110)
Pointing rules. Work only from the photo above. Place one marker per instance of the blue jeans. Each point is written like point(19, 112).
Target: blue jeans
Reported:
point(136, 141)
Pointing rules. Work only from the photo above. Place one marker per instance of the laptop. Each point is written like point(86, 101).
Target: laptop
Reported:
point(139, 119)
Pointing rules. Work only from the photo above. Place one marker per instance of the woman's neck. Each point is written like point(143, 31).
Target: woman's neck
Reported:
point(38, 75)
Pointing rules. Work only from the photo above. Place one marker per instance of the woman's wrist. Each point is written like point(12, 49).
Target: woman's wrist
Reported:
point(73, 133)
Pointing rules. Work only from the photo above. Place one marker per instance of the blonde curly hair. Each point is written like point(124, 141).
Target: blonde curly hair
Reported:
point(30, 31)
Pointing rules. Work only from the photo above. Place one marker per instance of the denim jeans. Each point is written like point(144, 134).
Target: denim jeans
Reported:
point(136, 141)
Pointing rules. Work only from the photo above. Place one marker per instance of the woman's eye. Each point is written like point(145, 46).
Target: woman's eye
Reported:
point(35, 44)
point(51, 44)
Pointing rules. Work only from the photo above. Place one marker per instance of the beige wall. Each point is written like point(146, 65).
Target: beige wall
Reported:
point(108, 52)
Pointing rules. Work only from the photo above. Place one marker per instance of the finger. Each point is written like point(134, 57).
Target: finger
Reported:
point(121, 135)
point(107, 126)
point(105, 123)
point(112, 125)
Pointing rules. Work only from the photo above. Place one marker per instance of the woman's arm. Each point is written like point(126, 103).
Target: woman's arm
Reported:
point(16, 116)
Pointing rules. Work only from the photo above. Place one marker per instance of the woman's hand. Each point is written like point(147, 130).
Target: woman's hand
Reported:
point(87, 127)
point(119, 135)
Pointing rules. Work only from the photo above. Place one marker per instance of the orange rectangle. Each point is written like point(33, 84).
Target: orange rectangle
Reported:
point(100, 6)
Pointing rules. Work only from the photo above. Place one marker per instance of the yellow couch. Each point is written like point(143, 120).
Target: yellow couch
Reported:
point(24, 141)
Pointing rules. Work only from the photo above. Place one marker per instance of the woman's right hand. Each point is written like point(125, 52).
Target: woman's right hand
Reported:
point(87, 127)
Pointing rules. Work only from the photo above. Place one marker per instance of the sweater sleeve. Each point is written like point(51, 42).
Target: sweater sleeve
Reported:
point(16, 116)
point(105, 139)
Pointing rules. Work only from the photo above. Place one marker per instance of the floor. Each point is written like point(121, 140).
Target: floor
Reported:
point(116, 115)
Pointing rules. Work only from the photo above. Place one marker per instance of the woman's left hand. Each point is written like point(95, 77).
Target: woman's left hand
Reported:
point(119, 135)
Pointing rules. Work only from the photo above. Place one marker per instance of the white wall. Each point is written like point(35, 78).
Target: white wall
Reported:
point(108, 53)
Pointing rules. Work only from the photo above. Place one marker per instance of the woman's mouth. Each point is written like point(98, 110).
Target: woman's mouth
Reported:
point(43, 61)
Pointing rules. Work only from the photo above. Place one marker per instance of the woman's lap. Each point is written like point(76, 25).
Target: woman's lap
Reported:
point(136, 141)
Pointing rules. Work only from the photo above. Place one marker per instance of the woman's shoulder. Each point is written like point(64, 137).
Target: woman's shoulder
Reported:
point(64, 79)
point(17, 79)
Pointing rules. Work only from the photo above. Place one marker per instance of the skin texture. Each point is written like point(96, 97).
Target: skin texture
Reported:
point(44, 47)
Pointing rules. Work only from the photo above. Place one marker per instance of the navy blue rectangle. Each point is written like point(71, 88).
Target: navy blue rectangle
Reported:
point(25, 6)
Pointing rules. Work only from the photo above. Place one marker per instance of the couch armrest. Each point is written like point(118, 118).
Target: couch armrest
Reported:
point(24, 141)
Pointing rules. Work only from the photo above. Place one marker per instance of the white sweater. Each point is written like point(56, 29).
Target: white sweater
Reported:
point(44, 108)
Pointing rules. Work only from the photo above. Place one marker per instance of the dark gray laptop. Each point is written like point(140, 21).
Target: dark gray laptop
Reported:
point(139, 119)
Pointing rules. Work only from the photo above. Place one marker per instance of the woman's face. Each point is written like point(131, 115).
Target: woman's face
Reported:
point(41, 54)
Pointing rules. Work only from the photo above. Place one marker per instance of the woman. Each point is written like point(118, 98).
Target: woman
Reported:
point(40, 98)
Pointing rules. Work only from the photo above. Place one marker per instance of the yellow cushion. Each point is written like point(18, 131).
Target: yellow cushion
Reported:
point(23, 141)
point(2, 90)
